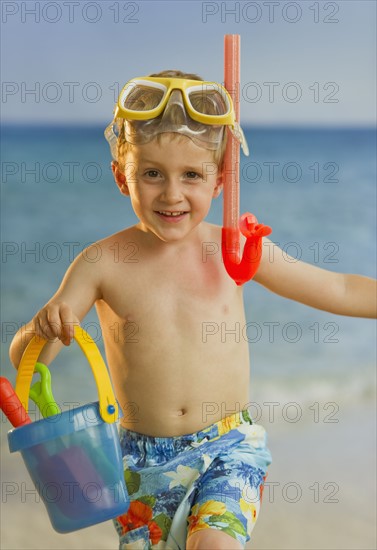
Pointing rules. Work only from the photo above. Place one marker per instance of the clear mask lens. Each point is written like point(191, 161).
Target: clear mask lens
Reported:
point(174, 119)
point(208, 102)
point(139, 97)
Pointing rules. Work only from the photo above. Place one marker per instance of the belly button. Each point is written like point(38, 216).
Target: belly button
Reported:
point(181, 412)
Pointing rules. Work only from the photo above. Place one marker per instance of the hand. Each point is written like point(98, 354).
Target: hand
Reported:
point(55, 320)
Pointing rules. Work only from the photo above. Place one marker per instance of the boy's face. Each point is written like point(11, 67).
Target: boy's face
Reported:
point(171, 185)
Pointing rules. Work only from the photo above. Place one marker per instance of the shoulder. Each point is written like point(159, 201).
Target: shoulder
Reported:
point(94, 259)
point(107, 246)
point(211, 231)
point(212, 236)
point(211, 240)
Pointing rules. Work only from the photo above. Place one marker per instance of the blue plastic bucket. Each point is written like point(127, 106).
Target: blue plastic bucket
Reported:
point(74, 458)
point(75, 462)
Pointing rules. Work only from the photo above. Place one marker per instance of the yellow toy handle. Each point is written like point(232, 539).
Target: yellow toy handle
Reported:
point(108, 406)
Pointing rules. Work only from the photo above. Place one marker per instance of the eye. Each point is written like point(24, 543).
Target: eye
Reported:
point(151, 173)
point(192, 175)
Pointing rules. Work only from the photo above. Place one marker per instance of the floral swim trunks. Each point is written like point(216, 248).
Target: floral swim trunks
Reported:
point(178, 485)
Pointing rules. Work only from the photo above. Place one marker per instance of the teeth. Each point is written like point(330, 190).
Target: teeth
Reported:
point(171, 213)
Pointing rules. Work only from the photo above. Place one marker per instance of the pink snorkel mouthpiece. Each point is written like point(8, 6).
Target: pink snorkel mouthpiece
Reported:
point(240, 270)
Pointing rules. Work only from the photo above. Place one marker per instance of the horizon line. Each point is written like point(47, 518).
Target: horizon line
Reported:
point(256, 126)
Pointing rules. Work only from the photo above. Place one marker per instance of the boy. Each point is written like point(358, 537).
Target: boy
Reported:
point(194, 475)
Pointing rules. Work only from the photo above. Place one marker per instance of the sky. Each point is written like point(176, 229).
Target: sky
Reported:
point(302, 63)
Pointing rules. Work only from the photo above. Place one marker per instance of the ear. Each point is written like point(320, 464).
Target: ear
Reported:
point(219, 186)
point(120, 178)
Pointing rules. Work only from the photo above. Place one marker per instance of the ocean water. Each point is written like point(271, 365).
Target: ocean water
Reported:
point(315, 187)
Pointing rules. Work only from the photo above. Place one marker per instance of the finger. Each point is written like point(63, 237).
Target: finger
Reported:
point(43, 329)
point(54, 322)
point(67, 320)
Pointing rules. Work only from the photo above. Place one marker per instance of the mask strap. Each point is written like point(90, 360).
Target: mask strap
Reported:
point(240, 136)
point(112, 139)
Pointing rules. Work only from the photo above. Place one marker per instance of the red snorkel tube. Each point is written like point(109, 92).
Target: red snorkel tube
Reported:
point(240, 270)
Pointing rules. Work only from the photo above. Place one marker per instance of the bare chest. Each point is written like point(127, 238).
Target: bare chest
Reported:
point(174, 289)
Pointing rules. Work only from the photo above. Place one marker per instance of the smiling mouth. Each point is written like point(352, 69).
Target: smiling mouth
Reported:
point(169, 214)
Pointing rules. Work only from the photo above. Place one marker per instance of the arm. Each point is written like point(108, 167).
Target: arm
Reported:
point(340, 293)
point(55, 322)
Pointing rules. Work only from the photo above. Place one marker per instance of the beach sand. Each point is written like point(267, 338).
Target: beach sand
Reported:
point(320, 492)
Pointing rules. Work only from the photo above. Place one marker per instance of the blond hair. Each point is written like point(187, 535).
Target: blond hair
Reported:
point(146, 100)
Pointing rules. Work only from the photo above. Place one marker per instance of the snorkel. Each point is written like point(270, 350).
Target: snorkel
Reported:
point(240, 270)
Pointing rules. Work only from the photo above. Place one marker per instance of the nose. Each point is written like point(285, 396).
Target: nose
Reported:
point(172, 192)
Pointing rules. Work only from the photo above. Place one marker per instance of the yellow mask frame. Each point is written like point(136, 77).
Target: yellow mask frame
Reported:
point(166, 86)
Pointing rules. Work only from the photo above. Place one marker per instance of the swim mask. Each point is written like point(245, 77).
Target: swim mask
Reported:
point(149, 106)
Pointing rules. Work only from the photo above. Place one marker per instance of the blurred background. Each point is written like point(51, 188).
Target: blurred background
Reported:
point(308, 88)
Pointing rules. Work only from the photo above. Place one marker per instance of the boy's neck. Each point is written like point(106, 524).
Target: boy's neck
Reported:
point(194, 239)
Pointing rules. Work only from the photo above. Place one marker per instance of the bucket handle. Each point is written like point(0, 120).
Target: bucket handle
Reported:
point(108, 406)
